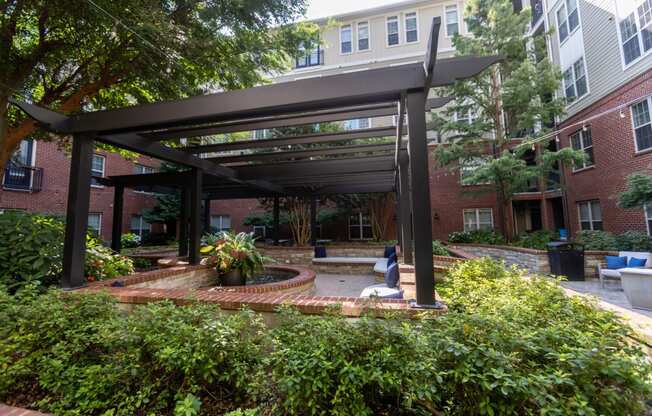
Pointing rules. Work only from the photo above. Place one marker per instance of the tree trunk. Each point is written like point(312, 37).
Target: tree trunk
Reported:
point(299, 212)
point(381, 209)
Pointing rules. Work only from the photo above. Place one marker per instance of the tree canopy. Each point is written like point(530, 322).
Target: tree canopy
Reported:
point(638, 192)
point(70, 55)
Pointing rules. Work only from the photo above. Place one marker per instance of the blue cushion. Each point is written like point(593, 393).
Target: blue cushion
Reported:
point(391, 260)
point(615, 262)
point(389, 250)
point(391, 275)
point(320, 252)
point(634, 262)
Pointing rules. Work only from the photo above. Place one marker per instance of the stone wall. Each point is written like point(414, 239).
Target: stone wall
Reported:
point(534, 260)
point(304, 255)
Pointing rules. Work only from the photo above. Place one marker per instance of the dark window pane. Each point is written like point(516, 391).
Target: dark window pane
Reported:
point(586, 225)
point(597, 225)
point(354, 233)
point(644, 137)
point(367, 232)
point(589, 154)
point(647, 39)
point(392, 39)
point(581, 86)
point(346, 47)
point(363, 44)
point(631, 49)
point(411, 36)
point(573, 20)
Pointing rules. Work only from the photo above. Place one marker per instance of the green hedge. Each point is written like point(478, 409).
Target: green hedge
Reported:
point(476, 237)
point(507, 346)
point(31, 251)
point(603, 240)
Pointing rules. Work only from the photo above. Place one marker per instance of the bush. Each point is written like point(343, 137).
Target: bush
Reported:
point(597, 240)
point(537, 239)
point(507, 346)
point(634, 241)
point(31, 251)
point(130, 240)
point(438, 249)
point(476, 237)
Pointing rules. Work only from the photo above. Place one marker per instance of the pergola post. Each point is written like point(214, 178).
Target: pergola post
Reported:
point(116, 229)
point(79, 191)
point(313, 220)
point(420, 190)
point(276, 214)
point(195, 216)
point(405, 210)
point(183, 222)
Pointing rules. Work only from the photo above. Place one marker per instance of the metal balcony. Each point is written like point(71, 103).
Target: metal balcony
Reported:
point(22, 178)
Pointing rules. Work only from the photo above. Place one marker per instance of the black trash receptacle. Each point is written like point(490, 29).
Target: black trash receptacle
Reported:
point(566, 259)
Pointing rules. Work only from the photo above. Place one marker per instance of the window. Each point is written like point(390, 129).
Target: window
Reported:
point(360, 123)
point(567, 19)
point(590, 215)
point(311, 57)
point(142, 169)
point(19, 172)
point(452, 21)
point(575, 84)
point(360, 227)
point(363, 36)
point(467, 167)
point(392, 31)
point(478, 219)
point(636, 32)
point(260, 231)
point(261, 134)
point(95, 224)
point(346, 44)
point(411, 27)
point(465, 116)
point(642, 124)
point(139, 226)
point(582, 140)
point(648, 218)
point(220, 223)
point(97, 169)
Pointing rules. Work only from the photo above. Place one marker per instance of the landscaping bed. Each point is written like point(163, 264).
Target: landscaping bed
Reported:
point(507, 346)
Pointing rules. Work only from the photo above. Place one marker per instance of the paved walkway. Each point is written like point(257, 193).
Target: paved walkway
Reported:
point(342, 285)
point(615, 301)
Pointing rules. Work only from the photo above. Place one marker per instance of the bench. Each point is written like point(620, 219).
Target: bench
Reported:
point(350, 265)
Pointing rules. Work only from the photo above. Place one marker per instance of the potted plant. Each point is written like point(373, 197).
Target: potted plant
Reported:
point(234, 256)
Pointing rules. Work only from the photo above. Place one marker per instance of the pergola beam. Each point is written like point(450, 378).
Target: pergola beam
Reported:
point(320, 138)
point(293, 154)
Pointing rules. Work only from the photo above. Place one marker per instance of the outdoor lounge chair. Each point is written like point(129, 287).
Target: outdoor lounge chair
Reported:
point(614, 273)
point(389, 289)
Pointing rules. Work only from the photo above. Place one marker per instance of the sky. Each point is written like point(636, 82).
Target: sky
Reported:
point(323, 8)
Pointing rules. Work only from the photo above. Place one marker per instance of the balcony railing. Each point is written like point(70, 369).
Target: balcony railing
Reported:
point(22, 178)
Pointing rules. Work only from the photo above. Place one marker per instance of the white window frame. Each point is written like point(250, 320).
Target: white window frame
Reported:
point(476, 212)
point(398, 31)
point(590, 220)
point(257, 227)
point(570, 32)
point(221, 217)
point(639, 36)
point(581, 134)
point(357, 42)
point(360, 225)
point(150, 169)
point(354, 124)
point(99, 228)
point(631, 111)
point(647, 219)
point(342, 29)
point(97, 185)
point(141, 222)
point(405, 26)
point(457, 13)
point(571, 67)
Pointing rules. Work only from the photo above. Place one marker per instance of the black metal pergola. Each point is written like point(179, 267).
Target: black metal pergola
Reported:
point(330, 165)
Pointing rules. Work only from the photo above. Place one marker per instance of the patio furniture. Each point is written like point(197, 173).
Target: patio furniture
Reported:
point(387, 290)
point(637, 284)
point(614, 273)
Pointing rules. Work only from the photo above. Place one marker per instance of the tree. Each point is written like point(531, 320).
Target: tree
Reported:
point(97, 54)
point(513, 99)
point(638, 192)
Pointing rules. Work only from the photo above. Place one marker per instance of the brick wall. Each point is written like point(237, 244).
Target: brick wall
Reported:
point(615, 158)
point(53, 196)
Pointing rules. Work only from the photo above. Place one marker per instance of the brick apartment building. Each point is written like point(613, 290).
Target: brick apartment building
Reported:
point(603, 48)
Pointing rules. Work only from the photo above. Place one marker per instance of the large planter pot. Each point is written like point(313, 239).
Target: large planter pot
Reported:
point(637, 284)
point(233, 278)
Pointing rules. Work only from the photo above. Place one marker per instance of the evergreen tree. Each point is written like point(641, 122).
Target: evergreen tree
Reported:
point(506, 111)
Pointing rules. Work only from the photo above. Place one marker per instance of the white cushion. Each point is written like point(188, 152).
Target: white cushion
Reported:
point(380, 290)
point(638, 255)
point(381, 266)
point(345, 260)
point(610, 273)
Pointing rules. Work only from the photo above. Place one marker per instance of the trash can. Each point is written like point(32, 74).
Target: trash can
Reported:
point(566, 259)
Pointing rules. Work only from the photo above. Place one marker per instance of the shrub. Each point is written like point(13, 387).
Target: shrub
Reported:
point(130, 240)
point(537, 239)
point(596, 240)
point(438, 249)
point(31, 251)
point(476, 237)
point(634, 241)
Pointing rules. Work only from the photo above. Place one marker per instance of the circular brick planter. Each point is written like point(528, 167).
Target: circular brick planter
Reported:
point(304, 281)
